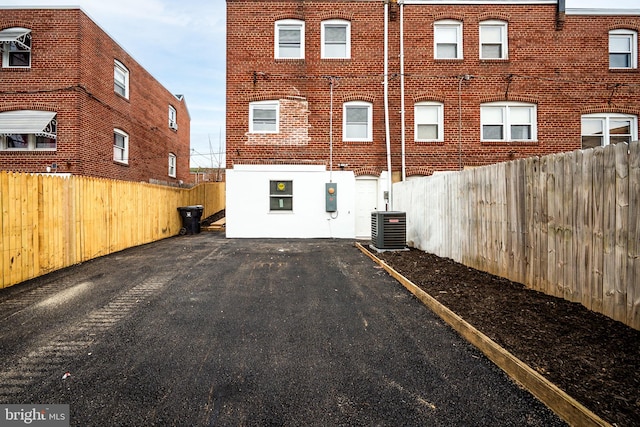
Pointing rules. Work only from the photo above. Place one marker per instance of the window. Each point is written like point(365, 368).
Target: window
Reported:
point(623, 49)
point(447, 39)
point(263, 117)
point(289, 39)
point(604, 129)
point(16, 47)
point(172, 165)
point(120, 146)
point(357, 121)
point(493, 40)
point(429, 121)
point(508, 121)
point(336, 39)
point(281, 195)
point(173, 122)
point(121, 79)
point(28, 130)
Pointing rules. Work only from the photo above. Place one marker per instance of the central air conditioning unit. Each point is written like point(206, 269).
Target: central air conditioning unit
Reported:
point(389, 230)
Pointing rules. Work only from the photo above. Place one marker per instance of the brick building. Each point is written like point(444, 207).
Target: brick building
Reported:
point(365, 93)
point(73, 101)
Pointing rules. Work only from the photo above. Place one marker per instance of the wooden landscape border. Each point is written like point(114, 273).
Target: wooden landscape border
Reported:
point(569, 409)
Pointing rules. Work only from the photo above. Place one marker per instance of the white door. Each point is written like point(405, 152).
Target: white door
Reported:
point(366, 202)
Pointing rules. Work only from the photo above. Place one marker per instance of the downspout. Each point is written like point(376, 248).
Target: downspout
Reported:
point(386, 102)
point(561, 14)
point(402, 105)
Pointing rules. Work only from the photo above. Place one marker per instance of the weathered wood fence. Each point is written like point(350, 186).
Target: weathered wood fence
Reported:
point(51, 222)
point(566, 224)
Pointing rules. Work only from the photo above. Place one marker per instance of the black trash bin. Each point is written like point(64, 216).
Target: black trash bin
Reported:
point(190, 219)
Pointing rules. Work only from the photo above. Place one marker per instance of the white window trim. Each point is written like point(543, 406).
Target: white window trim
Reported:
point(172, 165)
point(276, 44)
point(31, 144)
point(607, 117)
point(504, 35)
point(369, 106)
point(440, 120)
point(6, 51)
point(119, 67)
point(634, 47)
point(336, 22)
point(125, 150)
point(506, 106)
point(281, 196)
point(173, 118)
point(275, 105)
point(448, 23)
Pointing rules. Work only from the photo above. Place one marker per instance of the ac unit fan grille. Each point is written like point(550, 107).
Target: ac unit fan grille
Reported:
point(389, 230)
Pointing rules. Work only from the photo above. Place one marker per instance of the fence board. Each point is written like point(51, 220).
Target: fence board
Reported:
point(559, 225)
point(609, 227)
point(621, 165)
point(580, 236)
point(568, 228)
point(531, 219)
point(51, 222)
point(552, 227)
point(564, 224)
point(597, 243)
point(633, 250)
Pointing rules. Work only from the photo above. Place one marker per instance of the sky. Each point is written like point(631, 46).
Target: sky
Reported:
point(182, 44)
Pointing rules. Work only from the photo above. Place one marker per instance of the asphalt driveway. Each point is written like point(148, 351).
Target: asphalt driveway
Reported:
point(202, 330)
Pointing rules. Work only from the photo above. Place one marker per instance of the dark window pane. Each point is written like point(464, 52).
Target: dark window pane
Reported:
point(491, 51)
point(18, 141)
point(281, 203)
point(619, 60)
point(44, 142)
point(520, 132)
point(492, 132)
point(591, 141)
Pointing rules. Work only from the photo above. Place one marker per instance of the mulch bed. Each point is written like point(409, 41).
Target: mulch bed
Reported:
point(594, 359)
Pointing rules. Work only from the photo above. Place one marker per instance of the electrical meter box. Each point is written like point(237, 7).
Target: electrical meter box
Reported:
point(331, 196)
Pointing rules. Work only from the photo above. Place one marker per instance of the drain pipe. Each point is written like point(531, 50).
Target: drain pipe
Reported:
point(402, 104)
point(386, 103)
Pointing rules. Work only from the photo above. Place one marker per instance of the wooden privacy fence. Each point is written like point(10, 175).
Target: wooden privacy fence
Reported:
point(51, 222)
point(566, 224)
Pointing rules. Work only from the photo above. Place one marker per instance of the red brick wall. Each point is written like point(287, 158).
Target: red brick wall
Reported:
point(563, 71)
point(72, 73)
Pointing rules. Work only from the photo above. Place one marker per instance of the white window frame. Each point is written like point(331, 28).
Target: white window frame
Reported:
point(281, 195)
point(12, 47)
point(173, 118)
point(336, 23)
point(605, 120)
point(121, 154)
point(290, 24)
point(632, 37)
point(506, 120)
point(346, 125)
point(172, 165)
point(504, 38)
point(50, 132)
point(264, 105)
point(32, 143)
point(447, 24)
point(120, 78)
point(439, 122)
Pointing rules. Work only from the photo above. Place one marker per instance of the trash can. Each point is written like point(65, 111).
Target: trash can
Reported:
point(190, 219)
